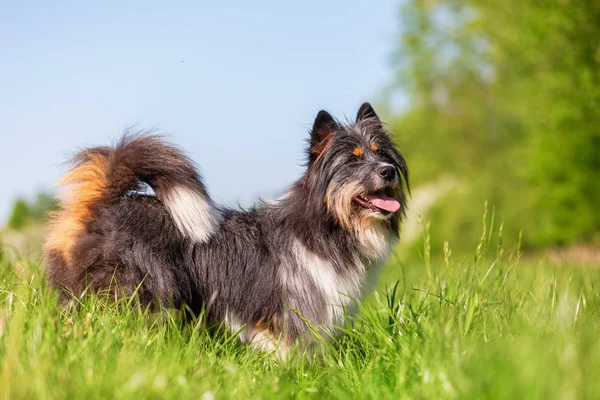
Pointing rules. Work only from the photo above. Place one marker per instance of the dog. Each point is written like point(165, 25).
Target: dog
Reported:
point(274, 273)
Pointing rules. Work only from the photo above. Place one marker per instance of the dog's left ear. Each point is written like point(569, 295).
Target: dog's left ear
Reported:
point(322, 130)
point(366, 112)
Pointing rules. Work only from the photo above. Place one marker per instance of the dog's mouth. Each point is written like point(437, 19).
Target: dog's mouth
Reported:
point(380, 201)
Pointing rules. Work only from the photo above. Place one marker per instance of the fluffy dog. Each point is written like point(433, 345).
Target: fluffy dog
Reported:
point(271, 273)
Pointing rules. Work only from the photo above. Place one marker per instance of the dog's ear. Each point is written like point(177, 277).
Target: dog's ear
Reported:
point(366, 112)
point(323, 127)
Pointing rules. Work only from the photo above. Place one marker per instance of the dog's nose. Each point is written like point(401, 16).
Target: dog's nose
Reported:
point(387, 172)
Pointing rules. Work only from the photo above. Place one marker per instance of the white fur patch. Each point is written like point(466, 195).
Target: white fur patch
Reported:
point(193, 213)
point(234, 324)
point(262, 341)
point(341, 292)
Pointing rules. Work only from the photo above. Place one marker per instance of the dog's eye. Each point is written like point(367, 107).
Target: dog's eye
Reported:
point(353, 160)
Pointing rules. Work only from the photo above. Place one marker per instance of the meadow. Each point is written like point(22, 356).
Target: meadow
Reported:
point(489, 101)
point(488, 325)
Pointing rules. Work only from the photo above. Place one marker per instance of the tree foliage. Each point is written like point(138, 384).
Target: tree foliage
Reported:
point(505, 96)
point(20, 215)
point(24, 212)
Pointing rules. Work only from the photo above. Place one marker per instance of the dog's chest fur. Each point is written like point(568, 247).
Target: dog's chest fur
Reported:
point(322, 291)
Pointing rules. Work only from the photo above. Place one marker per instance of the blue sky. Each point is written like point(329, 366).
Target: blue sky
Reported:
point(237, 84)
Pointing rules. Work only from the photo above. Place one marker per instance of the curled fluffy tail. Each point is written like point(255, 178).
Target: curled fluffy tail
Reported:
point(102, 175)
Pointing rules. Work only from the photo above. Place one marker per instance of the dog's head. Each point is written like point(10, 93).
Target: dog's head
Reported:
point(357, 173)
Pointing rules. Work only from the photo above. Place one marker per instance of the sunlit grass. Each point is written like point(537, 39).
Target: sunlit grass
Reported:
point(482, 327)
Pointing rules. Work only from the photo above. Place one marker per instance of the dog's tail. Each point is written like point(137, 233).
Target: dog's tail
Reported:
point(104, 175)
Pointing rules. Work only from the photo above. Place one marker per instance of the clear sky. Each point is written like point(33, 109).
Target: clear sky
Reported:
point(235, 83)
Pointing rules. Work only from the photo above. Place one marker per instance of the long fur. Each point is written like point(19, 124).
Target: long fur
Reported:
point(308, 256)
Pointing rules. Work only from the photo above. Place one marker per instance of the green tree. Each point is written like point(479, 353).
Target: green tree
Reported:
point(506, 97)
point(20, 215)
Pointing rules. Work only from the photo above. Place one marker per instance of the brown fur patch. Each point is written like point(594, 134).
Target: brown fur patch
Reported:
point(83, 187)
point(272, 325)
point(374, 147)
point(357, 151)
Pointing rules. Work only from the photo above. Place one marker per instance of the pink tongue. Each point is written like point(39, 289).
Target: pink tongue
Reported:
point(384, 202)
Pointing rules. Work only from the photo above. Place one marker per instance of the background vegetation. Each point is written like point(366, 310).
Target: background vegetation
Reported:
point(31, 212)
point(504, 104)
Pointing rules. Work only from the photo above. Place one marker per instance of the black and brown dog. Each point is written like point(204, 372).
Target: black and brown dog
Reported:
point(315, 250)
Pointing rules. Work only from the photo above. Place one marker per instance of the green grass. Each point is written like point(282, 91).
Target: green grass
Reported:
point(483, 327)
